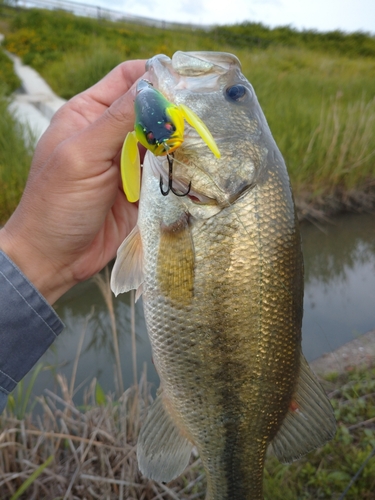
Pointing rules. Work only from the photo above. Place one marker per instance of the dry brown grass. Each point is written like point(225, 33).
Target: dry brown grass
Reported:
point(89, 454)
point(65, 452)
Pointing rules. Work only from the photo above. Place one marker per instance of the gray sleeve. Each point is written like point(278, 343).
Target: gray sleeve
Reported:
point(28, 326)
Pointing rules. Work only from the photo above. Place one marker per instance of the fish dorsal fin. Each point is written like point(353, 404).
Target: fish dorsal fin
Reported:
point(163, 451)
point(310, 421)
point(127, 273)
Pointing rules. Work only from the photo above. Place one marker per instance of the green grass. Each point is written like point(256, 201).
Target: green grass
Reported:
point(321, 111)
point(15, 160)
point(327, 472)
point(78, 71)
point(256, 35)
point(9, 81)
point(316, 90)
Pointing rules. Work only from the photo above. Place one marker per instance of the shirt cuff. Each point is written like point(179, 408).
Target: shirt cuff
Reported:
point(28, 325)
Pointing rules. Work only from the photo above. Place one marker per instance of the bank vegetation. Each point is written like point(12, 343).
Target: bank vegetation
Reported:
point(317, 90)
point(52, 448)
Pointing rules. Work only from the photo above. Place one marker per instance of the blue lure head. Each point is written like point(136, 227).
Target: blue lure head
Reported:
point(159, 124)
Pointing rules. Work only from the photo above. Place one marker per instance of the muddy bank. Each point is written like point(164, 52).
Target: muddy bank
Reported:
point(359, 352)
point(323, 207)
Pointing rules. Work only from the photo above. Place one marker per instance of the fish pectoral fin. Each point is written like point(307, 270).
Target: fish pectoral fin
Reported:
point(310, 421)
point(163, 451)
point(138, 292)
point(127, 273)
point(195, 122)
point(130, 166)
point(176, 261)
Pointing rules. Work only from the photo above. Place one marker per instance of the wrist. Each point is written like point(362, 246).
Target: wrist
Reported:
point(47, 277)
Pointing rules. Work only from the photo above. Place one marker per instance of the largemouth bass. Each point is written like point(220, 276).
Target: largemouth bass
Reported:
point(221, 274)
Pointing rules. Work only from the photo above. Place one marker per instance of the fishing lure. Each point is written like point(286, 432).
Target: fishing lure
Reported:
point(159, 127)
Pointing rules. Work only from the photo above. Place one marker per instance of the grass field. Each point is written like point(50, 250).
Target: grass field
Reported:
point(317, 91)
point(15, 159)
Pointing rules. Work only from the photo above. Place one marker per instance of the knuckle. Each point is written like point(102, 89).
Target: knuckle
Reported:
point(121, 113)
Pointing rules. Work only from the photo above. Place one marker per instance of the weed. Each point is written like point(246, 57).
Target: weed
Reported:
point(93, 448)
point(15, 159)
point(316, 90)
point(9, 81)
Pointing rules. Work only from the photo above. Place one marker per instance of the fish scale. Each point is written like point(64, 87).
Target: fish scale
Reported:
point(222, 282)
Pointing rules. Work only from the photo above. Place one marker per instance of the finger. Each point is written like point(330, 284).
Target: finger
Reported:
point(96, 146)
point(85, 108)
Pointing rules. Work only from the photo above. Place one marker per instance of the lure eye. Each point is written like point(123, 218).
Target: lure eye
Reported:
point(236, 92)
point(150, 138)
point(170, 127)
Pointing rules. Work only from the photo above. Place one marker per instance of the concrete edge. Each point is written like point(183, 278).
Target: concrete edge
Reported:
point(35, 103)
point(359, 352)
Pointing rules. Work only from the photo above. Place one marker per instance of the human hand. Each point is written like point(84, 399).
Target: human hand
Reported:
point(73, 214)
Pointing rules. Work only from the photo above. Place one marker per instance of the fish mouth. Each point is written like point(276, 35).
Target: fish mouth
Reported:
point(180, 73)
point(197, 80)
point(200, 63)
point(187, 77)
point(159, 168)
point(183, 188)
point(194, 63)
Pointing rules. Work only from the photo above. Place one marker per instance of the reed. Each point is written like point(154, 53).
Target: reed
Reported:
point(342, 147)
point(65, 451)
point(93, 450)
point(89, 452)
point(321, 111)
point(15, 160)
point(103, 283)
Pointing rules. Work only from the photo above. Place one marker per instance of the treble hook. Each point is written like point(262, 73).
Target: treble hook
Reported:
point(170, 180)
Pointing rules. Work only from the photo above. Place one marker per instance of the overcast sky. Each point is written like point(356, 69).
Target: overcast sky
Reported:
point(322, 15)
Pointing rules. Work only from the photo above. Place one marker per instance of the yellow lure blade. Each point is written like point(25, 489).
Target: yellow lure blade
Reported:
point(130, 166)
point(200, 127)
point(177, 118)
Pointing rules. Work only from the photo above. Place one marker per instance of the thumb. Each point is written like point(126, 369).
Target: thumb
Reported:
point(95, 147)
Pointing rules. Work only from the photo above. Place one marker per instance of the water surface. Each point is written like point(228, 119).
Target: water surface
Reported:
point(339, 300)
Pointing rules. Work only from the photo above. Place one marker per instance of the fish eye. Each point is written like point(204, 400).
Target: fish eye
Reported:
point(235, 92)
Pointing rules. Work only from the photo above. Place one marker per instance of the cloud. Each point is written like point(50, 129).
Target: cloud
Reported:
point(272, 2)
point(193, 7)
point(323, 15)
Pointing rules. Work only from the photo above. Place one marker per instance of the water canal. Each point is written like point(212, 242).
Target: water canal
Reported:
point(339, 306)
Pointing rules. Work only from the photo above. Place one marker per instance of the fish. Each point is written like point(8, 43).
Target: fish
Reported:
point(220, 271)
